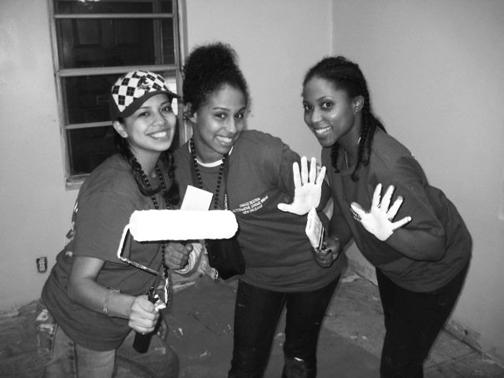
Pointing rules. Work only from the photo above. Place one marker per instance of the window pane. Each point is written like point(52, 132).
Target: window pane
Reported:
point(114, 42)
point(87, 98)
point(96, 40)
point(111, 6)
point(87, 148)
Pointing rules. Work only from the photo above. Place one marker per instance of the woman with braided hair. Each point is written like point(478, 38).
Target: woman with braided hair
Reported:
point(421, 261)
point(250, 173)
point(96, 300)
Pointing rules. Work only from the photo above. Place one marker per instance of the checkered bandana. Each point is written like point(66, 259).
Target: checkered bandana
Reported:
point(130, 91)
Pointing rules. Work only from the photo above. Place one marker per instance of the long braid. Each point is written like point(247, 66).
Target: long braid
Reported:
point(334, 157)
point(368, 129)
point(363, 149)
point(172, 194)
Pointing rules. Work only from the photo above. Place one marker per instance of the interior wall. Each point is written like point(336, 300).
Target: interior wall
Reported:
point(276, 43)
point(434, 69)
point(36, 208)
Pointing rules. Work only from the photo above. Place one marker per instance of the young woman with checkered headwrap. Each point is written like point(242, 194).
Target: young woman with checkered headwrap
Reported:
point(95, 299)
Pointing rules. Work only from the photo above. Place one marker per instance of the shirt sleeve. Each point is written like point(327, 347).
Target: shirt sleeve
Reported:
point(287, 158)
point(338, 226)
point(423, 238)
point(100, 221)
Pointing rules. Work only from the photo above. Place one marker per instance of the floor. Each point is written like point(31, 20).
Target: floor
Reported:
point(200, 331)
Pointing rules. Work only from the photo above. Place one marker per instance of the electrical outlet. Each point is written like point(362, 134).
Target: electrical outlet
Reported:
point(41, 264)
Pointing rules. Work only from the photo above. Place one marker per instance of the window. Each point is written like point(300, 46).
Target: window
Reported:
point(95, 41)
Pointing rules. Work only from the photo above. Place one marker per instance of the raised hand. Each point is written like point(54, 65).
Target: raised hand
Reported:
point(307, 187)
point(378, 220)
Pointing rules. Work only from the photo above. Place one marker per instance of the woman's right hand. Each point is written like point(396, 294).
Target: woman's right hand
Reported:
point(307, 187)
point(177, 254)
point(143, 316)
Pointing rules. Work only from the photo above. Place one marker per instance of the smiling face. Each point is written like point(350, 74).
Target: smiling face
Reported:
point(218, 122)
point(150, 129)
point(330, 113)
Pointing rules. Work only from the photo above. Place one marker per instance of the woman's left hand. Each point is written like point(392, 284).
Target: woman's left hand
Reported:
point(328, 252)
point(307, 187)
point(378, 220)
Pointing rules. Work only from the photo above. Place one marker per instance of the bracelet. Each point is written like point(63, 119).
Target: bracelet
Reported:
point(105, 308)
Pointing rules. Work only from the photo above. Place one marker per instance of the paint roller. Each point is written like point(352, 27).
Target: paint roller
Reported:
point(153, 225)
point(181, 225)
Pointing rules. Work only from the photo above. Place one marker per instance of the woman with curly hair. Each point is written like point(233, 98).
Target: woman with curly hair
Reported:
point(250, 173)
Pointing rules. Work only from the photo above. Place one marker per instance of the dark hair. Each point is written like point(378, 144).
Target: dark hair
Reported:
point(171, 195)
point(208, 67)
point(347, 76)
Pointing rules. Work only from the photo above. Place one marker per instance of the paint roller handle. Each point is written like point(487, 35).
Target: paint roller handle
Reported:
point(142, 342)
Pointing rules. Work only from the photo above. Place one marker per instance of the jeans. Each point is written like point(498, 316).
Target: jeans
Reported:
point(412, 323)
point(69, 359)
point(257, 312)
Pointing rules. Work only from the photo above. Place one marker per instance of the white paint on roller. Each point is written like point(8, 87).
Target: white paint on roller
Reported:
point(152, 225)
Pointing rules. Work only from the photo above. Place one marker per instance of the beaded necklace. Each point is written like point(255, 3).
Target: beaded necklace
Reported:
point(219, 177)
point(167, 287)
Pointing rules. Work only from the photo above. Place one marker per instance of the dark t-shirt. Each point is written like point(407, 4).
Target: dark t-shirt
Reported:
point(277, 252)
point(436, 227)
point(102, 210)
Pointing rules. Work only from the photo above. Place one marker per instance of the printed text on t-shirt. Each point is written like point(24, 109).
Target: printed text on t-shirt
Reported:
point(251, 206)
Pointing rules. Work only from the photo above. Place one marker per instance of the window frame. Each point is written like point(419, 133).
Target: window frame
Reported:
point(178, 16)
